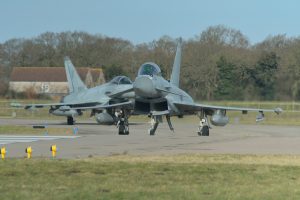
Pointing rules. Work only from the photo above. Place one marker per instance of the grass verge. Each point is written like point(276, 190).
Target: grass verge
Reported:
point(25, 130)
point(153, 177)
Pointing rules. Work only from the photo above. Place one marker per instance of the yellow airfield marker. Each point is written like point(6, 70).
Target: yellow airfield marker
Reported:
point(3, 152)
point(28, 150)
point(53, 149)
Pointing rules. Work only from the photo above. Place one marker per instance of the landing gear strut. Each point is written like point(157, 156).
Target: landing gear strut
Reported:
point(123, 124)
point(169, 122)
point(70, 121)
point(203, 128)
point(154, 123)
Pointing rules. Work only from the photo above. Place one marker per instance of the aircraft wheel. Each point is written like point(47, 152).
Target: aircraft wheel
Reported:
point(70, 121)
point(153, 128)
point(121, 129)
point(151, 132)
point(126, 131)
point(204, 131)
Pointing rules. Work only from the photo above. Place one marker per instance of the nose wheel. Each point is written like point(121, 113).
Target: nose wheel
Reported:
point(154, 124)
point(153, 128)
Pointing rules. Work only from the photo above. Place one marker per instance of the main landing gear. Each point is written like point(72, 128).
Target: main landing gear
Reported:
point(70, 121)
point(203, 128)
point(122, 125)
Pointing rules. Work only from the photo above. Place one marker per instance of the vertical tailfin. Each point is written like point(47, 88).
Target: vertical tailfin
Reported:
point(176, 66)
point(75, 83)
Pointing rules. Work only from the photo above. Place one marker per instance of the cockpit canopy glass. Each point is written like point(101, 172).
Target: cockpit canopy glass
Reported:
point(121, 80)
point(149, 69)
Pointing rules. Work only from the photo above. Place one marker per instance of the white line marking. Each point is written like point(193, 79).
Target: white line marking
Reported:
point(8, 139)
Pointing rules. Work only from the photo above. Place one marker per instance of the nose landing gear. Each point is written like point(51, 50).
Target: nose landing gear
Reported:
point(154, 124)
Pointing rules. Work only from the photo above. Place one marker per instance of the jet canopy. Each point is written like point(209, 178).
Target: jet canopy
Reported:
point(149, 69)
point(121, 80)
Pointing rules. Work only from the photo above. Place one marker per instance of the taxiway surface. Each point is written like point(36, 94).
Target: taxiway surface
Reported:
point(100, 140)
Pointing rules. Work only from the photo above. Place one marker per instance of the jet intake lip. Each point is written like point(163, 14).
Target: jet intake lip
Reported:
point(144, 87)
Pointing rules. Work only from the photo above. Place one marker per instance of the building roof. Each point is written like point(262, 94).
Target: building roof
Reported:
point(48, 74)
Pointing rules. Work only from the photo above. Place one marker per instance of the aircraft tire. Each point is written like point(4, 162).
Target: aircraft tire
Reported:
point(151, 132)
point(70, 121)
point(126, 130)
point(123, 130)
point(204, 131)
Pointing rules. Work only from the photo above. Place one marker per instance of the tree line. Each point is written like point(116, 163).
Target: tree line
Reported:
point(218, 64)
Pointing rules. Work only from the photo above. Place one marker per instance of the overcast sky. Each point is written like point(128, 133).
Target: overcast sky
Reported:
point(146, 20)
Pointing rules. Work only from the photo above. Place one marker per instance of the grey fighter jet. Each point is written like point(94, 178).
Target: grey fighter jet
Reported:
point(157, 97)
point(102, 100)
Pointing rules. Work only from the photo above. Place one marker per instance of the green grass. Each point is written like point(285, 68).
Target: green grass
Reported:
point(25, 130)
point(153, 177)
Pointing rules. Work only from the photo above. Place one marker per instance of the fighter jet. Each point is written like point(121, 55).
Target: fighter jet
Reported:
point(157, 97)
point(101, 100)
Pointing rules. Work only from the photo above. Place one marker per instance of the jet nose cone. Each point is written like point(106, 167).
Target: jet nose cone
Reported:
point(144, 87)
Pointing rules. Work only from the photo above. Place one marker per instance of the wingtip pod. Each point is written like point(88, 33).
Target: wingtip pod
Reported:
point(278, 110)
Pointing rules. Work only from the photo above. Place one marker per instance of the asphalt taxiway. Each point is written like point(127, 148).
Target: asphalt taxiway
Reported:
point(100, 140)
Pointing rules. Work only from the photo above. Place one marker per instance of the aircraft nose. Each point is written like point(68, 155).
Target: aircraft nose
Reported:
point(144, 87)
